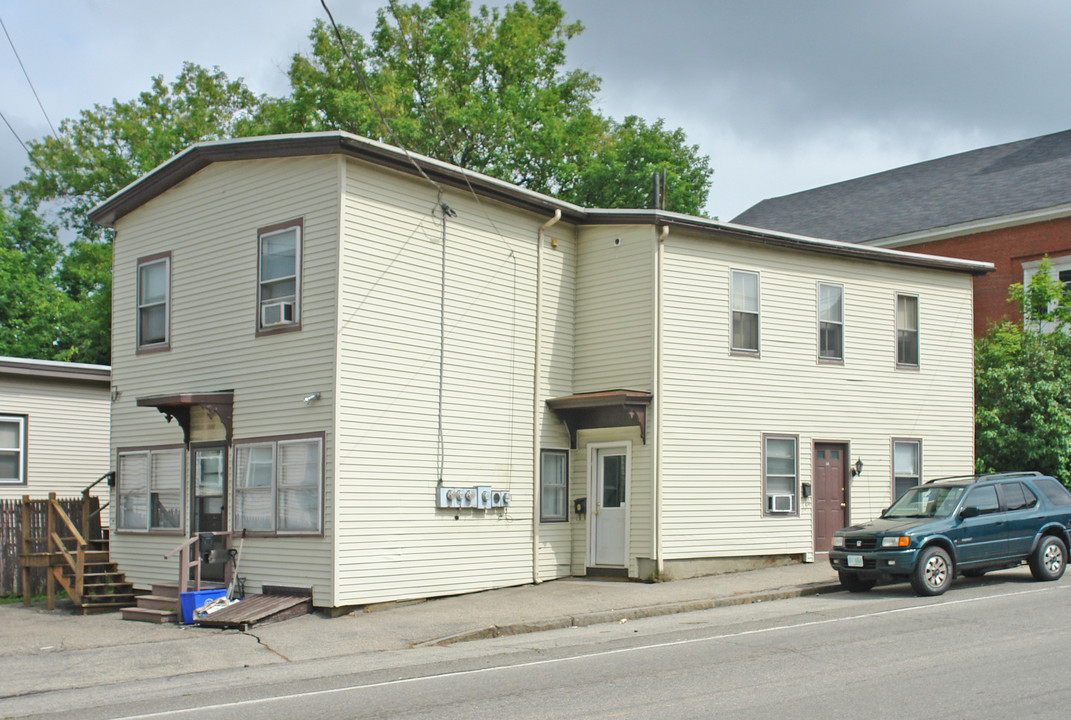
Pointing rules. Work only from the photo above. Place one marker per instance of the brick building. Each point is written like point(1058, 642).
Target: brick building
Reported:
point(1006, 204)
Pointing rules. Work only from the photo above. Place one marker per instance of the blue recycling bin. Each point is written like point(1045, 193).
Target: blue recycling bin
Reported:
point(190, 601)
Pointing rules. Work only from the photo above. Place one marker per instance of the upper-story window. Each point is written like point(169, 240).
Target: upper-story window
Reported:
point(13, 449)
point(907, 330)
point(830, 322)
point(745, 304)
point(154, 300)
point(279, 277)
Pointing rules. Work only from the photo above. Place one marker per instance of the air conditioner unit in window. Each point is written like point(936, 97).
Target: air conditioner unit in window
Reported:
point(779, 503)
point(277, 313)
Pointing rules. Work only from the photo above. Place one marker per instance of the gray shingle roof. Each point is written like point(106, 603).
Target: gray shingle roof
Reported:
point(988, 183)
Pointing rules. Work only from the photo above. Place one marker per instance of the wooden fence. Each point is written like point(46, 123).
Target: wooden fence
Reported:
point(11, 538)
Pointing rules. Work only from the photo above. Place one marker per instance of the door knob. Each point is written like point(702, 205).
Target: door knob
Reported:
point(844, 505)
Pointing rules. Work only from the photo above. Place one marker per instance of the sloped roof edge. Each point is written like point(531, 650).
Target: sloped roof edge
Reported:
point(55, 369)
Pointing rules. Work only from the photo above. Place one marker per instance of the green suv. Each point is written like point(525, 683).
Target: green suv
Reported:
point(960, 525)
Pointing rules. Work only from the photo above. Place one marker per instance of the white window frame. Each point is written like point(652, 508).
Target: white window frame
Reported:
point(297, 228)
point(839, 357)
point(901, 363)
point(733, 310)
point(1058, 265)
point(19, 449)
point(143, 264)
point(897, 474)
point(794, 477)
point(151, 487)
point(242, 486)
point(559, 489)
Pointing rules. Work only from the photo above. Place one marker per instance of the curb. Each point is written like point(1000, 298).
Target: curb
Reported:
point(634, 613)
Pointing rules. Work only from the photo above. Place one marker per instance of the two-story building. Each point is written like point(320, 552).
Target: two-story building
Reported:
point(400, 379)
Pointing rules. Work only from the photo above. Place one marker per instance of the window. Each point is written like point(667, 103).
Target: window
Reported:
point(745, 304)
point(554, 486)
point(279, 277)
point(1060, 270)
point(149, 489)
point(154, 293)
point(1017, 496)
point(1053, 491)
point(13, 449)
point(779, 474)
point(983, 498)
point(907, 330)
point(907, 462)
point(278, 485)
point(830, 322)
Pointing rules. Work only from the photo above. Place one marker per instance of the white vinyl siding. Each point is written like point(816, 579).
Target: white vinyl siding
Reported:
point(210, 224)
point(716, 410)
point(65, 426)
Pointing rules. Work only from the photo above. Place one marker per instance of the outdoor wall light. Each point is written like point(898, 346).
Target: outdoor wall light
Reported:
point(313, 396)
point(857, 469)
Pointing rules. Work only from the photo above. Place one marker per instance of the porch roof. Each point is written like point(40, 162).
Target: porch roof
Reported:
point(219, 404)
point(607, 408)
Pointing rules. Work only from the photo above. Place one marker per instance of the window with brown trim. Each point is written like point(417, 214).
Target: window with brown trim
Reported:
point(278, 485)
point(13, 449)
point(154, 302)
point(744, 292)
point(907, 330)
point(830, 322)
point(150, 489)
point(780, 474)
point(279, 277)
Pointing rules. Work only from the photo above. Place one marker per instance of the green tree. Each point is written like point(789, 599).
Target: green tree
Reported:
point(1023, 384)
point(31, 306)
point(488, 91)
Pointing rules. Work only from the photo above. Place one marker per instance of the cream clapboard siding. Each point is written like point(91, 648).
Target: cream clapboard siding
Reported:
point(641, 542)
point(209, 223)
point(393, 542)
point(614, 308)
point(717, 406)
point(67, 435)
point(559, 333)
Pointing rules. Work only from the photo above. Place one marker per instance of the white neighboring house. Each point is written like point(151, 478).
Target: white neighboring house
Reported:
point(54, 419)
point(623, 392)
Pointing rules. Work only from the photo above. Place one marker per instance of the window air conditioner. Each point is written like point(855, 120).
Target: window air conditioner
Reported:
point(779, 503)
point(277, 313)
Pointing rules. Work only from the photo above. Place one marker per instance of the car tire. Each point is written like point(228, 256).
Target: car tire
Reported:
point(933, 572)
point(856, 584)
point(1049, 559)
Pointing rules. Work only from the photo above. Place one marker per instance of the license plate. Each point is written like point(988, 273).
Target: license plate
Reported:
point(855, 561)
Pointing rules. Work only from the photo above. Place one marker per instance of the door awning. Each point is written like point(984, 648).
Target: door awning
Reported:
point(217, 404)
point(610, 408)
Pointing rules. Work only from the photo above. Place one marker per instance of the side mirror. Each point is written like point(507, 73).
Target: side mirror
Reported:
point(969, 512)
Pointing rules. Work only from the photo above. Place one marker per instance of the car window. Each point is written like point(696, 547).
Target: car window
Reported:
point(1017, 496)
point(983, 498)
point(926, 501)
point(1053, 491)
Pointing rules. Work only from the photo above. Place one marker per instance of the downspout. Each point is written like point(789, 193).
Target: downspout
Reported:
point(658, 395)
point(537, 395)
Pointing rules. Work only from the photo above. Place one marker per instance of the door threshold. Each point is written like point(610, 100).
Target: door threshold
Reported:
point(607, 572)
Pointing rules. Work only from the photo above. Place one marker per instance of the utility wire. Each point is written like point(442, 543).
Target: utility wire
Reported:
point(28, 81)
point(14, 133)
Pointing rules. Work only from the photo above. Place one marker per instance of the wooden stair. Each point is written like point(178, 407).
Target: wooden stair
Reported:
point(160, 606)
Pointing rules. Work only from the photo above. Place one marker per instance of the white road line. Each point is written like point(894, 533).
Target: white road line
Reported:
point(574, 658)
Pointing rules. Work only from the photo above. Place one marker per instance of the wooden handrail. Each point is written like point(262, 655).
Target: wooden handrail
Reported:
point(63, 551)
point(189, 541)
point(66, 520)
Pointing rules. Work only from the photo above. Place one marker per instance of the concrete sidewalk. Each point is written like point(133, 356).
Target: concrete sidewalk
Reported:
point(42, 650)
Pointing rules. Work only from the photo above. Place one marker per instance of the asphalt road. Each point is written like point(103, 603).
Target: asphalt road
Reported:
point(992, 648)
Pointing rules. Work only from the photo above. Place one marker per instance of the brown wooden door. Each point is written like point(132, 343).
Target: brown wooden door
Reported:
point(830, 503)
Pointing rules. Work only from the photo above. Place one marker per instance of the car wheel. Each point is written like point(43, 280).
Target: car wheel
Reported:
point(1049, 559)
point(933, 572)
point(856, 584)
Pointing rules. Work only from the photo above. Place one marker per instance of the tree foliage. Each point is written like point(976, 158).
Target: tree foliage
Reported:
point(1023, 384)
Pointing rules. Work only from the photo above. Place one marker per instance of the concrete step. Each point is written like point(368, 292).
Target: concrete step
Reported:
point(140, 614)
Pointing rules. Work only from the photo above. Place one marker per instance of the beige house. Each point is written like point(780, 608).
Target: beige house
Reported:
point(399, 379)
point(53, 428)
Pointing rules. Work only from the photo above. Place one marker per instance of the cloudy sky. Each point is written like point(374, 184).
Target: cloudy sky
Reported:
point(784, 95)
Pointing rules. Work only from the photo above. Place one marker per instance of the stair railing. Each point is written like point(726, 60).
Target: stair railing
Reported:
point(57, 544)
point(86, 514)
point(191, 546)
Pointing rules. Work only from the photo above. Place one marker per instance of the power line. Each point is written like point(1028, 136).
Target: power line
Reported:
point(28, 81)
point(14, 133)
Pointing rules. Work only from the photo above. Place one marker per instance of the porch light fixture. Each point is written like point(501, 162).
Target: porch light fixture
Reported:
point(312, 396)
point(857, 468)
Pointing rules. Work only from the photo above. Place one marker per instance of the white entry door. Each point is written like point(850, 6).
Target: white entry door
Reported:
point(609, 521)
